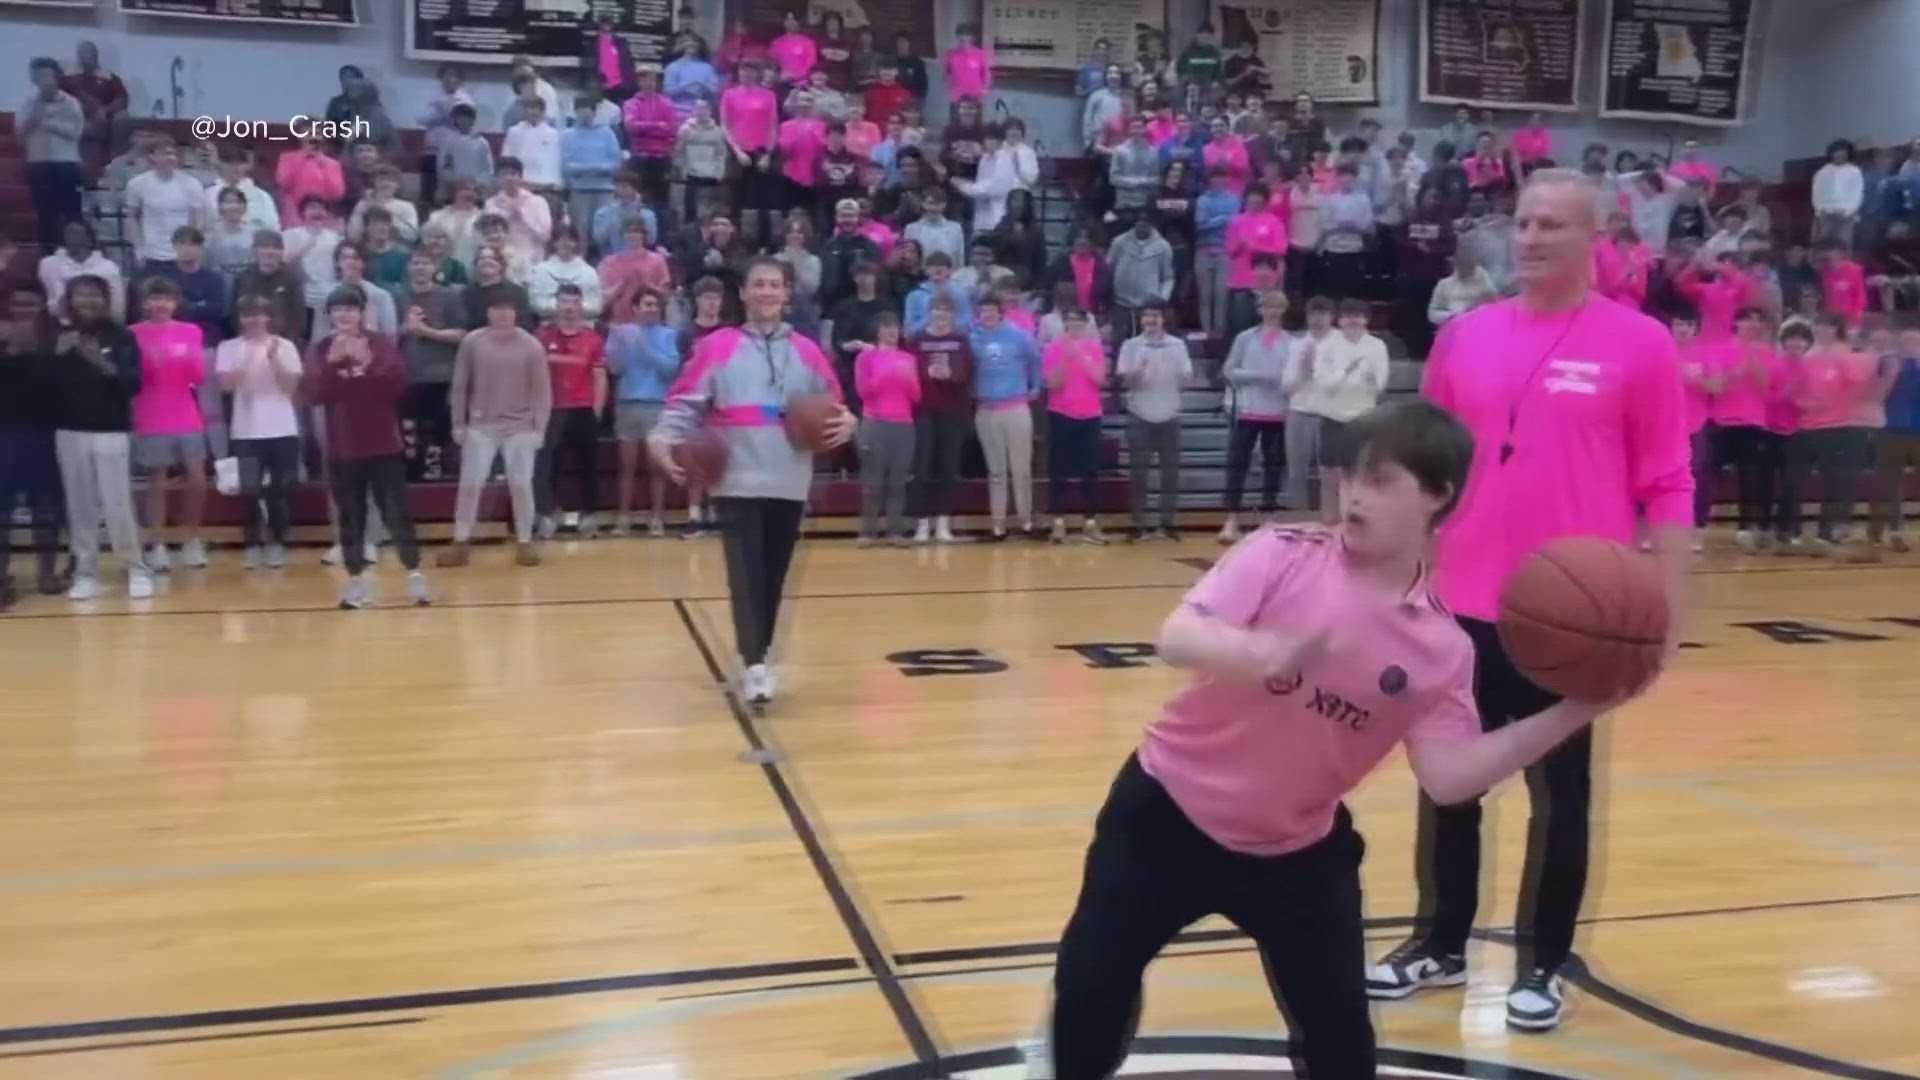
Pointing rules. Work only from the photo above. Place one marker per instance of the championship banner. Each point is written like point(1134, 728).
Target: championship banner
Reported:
point(1327, 48)
point(1058, 35)
point(1679, 60)
point(888, 18)
point(550, 31)
point(1502, 54)
point(280, 12)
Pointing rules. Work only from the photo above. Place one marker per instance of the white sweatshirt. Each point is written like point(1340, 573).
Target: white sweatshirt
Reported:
point(1346, 376)
point(543, 286)
point(1838, 189)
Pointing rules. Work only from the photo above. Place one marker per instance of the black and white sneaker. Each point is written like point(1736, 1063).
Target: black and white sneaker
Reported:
point(1412, 967)
point(1537, 1001)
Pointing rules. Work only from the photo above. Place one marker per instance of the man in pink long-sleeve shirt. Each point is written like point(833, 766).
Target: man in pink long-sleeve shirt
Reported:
point(1579, 418)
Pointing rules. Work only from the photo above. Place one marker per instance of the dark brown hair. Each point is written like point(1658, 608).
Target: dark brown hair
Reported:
point(1420, 437)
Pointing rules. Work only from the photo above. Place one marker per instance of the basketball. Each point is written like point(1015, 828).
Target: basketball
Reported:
point(807, 419)
point(703, 456)
point(1585, 618)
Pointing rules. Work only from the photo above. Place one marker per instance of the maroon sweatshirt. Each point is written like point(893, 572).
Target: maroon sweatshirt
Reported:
point(952, 395)
point(363, 410)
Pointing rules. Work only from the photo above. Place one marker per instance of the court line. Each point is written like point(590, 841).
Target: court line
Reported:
point(141, 1044)
point(919, 1037)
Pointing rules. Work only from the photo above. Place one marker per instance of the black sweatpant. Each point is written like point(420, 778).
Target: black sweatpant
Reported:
point(55, 187)
point(384, 479)
point(575, 433)
point(1271, 435)
point(1073, 453)
point(938, 440)
point(269, 469)
point(759, 536)
point(1447, 856)
point(1756, 455)
point(1150, 873)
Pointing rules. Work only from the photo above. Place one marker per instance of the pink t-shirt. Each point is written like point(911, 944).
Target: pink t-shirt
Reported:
point(1579, 424)
point(1621, 275)
point(1846, 288)
point(796, 54)
point(1831, 387)
point(173, 364)
point(1532, 143)
point(1693, 368)
point(1085, 366)
point(1252, 233)
point(969, 72)
point(609, 61)
point(750, 113)
point(889, 384)
point(1230, 156)
point(802, 141)
point(1782, 409)
point(1261, 767)
point(862, 137)
point(1084, 268)
point(1742, 401)
point(1719, 299)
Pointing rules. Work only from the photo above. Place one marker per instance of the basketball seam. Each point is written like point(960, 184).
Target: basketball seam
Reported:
point(1612, 639)
point(1599, 609)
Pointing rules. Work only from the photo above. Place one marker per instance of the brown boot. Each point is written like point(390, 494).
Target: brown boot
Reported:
point(456, 555)
point(526, 555)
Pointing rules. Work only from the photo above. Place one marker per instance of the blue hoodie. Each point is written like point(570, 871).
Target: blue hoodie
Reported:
point(920, 302)
point(644, 358)
point(1903, 398)
point(589, 156)
point(1006, 364)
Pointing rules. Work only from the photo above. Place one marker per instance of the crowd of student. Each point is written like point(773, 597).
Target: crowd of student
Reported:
point(522, 302)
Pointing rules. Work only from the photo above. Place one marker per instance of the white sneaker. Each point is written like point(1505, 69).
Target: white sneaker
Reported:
point(84, 587)
point(923, 532)
point(1537, 1001)
point(356, 595)
point(252, 559)
point(277, 557)
point(1037, 1058)
point(159, 559)
point(943, 532)
point(417, 589)
point(757, 684)
point(549, 527)
point(333, 557)
point(371, 552)
point(193, 554)
point(139, 585)
point(1745, 541)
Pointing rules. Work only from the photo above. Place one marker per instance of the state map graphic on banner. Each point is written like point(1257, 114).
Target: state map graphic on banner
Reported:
point(1501, 54)
point(1682, 60)
point(1327, 48)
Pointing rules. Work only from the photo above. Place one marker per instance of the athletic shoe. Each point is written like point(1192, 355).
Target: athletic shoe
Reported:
point(1411, 968)
point(1059, 534)
point(863, 541)
point(1537, 1001)
point(589, 526)
point(193, 554)
point(549, 527)
point(457, 554)
point(923, 532)
point(371, 552)
point(84, 587)
point(1167, 533)
point(757, 684)
point(1822, 548)
point(622, 525)
point(356, 595)
point(943, 532)
point(139, 585)
point(1037, 1058)
point(1230, 533)
point(332, 557)
point(526, 555)
point(1746, 541)
point(276, 556)
point(1090, 533)
point(417, 589)
point(1898, 542)
point(50, 583)
point(253, 558)
point(657, 529)
point(8, 595)
point(159, 559)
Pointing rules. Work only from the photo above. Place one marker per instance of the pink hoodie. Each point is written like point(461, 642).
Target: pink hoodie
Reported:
point(299, 175)
point(796, 54)
point(1579, 425)
point(1230, 156)
point(651, 124)
point(1693, 368)
point(889, 384)
point(1252, 233)
point(969, 72)
point(1532, 143)
point(1619, 275)
point(802, 140)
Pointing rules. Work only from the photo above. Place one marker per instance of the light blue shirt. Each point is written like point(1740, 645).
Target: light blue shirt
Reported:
point(920, 302)
point(609, 226)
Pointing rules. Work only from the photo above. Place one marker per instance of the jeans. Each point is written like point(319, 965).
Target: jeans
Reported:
point(96, 468)
point(1073, 453)
point(886, 463)
point(1270, 435)
point(382, 480)
point(1006, 439)
point(938, 440)
point(477, 454)
point(55, 188)
point(1840, 457)
point(1146, 441)
point(269, 468)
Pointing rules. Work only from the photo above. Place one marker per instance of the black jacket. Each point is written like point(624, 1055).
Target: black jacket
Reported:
point(26, 380)
point(837, 258)
point(84, 397)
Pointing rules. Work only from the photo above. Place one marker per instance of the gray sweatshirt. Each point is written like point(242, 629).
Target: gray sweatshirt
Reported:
point(738, 382)
point(1142, 269)
point(501, 384)
point(1255, 368)
point(52, 128)
point(1164, 368)
point(702, 151)
point(1135, 172)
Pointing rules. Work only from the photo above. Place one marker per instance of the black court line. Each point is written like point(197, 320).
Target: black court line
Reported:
point(433, 999)
point(919, 1037)
point(138, 1044)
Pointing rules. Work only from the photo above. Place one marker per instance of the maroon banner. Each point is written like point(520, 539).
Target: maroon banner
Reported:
point(1501, 54)
point(913, 18)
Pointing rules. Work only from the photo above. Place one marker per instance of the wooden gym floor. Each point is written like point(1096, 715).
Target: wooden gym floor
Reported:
point(522, 833)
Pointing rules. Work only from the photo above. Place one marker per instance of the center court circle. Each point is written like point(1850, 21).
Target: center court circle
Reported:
point(1221, 1058)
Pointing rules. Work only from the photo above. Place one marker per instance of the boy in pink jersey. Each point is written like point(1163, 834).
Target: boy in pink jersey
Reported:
point(1579, 418)
point(1831, 440)
point(168, 429)
point(888, 380)
point(969, 67)
point(1314, 652)
point(1745, 370)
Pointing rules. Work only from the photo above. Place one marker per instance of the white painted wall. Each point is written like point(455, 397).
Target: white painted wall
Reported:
point(1816, 56)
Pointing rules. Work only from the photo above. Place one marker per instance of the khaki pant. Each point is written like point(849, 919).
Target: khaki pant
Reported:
point(1006, 438)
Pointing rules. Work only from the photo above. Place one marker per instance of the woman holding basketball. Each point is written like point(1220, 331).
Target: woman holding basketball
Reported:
point(1579, 418)
point(1314, 652)
point(740, 382)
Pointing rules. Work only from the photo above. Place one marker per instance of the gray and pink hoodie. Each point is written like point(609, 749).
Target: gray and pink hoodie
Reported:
point(738, 382)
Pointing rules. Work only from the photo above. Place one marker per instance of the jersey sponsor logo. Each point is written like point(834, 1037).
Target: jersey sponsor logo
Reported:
point(1393, 681)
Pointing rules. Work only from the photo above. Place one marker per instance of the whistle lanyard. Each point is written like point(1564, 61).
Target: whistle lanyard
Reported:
point(1520, 396)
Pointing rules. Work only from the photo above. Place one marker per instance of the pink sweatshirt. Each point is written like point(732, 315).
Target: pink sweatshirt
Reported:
point(1694, 170)
point(862, 137)
point(1161, 129)
point(651, 125)
point(1719, 299)
point(1485, 172)
point(802, 141)
point(750, 115)
point(1782, 409)
point(1747, 372)
point(298, 175)
point(889, 384)
point(1831, 387)
point(796, 54)
point(1230, 156)
point(969, 72)
point(173, 364)
point(1593, 395)
point(1846, 287)
point(1693, 368)
point(1085, 364)
point(1619, 275)
point(1532, 143)
point(882, 235)
point(1252, 233)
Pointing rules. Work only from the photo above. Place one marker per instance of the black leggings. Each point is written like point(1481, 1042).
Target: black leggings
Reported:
point(576, 433)
point(1272, 437)
point(269, 469)
point(938, 439)
point(1150, 873)
point(759, 536)
point(1559, 786)
point(1756, 455)
point(1073, 453)
point(384, 479)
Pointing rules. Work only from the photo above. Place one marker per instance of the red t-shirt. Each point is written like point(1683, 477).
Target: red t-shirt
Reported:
point(574, 359)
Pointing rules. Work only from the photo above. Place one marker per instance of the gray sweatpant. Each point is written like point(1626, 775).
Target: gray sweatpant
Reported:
point(477, 454)
point(97, 469)
point(1146, 440)
point(1303, 458)
point(886, 462)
